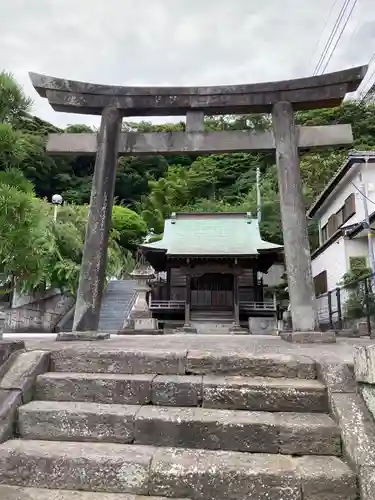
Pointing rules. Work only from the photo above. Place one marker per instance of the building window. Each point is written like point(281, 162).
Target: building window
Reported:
point(320, 284)
point(324, 233)
point(332, 225)
point(349, 207)
point(338, 219)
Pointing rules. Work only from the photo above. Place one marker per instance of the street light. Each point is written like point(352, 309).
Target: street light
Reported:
point(56, 201)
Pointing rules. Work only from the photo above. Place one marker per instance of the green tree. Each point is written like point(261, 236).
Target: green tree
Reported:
point(129, 226)
point(13, 102)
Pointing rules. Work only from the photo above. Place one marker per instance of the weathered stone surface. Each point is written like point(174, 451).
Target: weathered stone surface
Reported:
point(357, 428)
point(10, 400)
point(267, 394)
point(256, 432)
point(69, 421)
point(9, 361)
point(218, 475)
point(120, 361)
point(99, 467)
point(328, 337)
point(96, 388)
point(326, 479)
point(161, 363)
point(7, 347)
point(82, 336)
point(337, 377)
point(241, 476)
point(175, 472)
point(177, 390)
point(368, 394)
point(171, 472)
point(320, 91)
point(23, 372)
point(308, 434)
point(163, 143)
point(207, 429)
point(92, 361)
point(19, 493)
point(367, 483)
point(364, 363)
point(294, 225)
point(251, 365)
point(94, 258)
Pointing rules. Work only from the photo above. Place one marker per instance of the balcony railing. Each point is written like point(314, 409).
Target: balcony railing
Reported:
point(173, 305)
point(166, 305)
point(268, 305)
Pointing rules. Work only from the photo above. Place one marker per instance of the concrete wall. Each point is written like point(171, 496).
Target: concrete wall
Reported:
point(333, 260)
point(36, 312)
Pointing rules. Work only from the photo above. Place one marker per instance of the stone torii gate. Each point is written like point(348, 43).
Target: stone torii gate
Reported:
point(279, 98)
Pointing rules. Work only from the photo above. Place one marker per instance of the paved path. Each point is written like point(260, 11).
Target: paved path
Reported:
point(221, 344)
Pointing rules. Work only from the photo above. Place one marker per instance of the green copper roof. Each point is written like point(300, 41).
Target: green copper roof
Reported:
point(212, 234)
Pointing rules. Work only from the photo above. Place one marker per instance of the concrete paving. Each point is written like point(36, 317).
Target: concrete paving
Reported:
point(342, 351)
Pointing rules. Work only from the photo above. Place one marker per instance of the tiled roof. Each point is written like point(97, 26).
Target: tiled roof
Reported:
point(231, 234)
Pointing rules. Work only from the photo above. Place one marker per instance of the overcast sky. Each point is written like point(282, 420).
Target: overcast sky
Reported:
point(179, 42)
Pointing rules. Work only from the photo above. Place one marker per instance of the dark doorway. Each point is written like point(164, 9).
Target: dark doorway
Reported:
point(212, 291)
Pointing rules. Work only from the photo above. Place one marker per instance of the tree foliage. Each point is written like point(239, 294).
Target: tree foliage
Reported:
point(129, 226)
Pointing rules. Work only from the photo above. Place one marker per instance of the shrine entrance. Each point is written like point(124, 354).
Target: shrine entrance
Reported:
point(212, 291)
point(280, 99)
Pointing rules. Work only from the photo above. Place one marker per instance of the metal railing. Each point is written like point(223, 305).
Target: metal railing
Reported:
point(349, 309)
point(130, 305)
point(180, 304)
point(166, 304)
point(268, 305)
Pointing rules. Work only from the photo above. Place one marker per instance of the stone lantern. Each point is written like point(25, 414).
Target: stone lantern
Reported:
point(140, 316)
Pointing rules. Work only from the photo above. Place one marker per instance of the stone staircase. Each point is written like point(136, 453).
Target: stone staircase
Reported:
point(212, 321)
point(124, 424)
point(116, 304)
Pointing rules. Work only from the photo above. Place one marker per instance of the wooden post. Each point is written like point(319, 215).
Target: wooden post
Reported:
point(236, 300)
point(294, 222)
point(187, 300)
point(94, 260)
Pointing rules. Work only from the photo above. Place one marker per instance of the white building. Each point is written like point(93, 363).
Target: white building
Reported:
point(342, 222)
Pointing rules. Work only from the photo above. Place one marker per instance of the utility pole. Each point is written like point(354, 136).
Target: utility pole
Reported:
point(367, 220)
point(259, 200)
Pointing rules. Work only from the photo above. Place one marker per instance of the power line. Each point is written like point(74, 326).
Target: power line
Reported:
point(362, 92)
point(340, 35)
point(323, 30)
point(331, 36)
point(361, 193)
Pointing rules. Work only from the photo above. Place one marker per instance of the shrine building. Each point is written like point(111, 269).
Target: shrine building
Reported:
point(208, 267)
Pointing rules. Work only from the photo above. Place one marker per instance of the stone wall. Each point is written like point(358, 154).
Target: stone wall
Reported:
point(17, 380)
point(364, 424)
point(37, 312)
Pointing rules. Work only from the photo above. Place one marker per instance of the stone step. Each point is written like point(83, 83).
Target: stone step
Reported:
point(233, 393)
point(19, 493)
point(104, 359)
point(254, 432)
point(171, 472)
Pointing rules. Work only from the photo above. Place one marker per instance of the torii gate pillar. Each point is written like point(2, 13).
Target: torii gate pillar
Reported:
point(294, 224)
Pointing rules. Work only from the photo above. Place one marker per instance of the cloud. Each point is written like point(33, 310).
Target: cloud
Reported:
point(175, 42)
